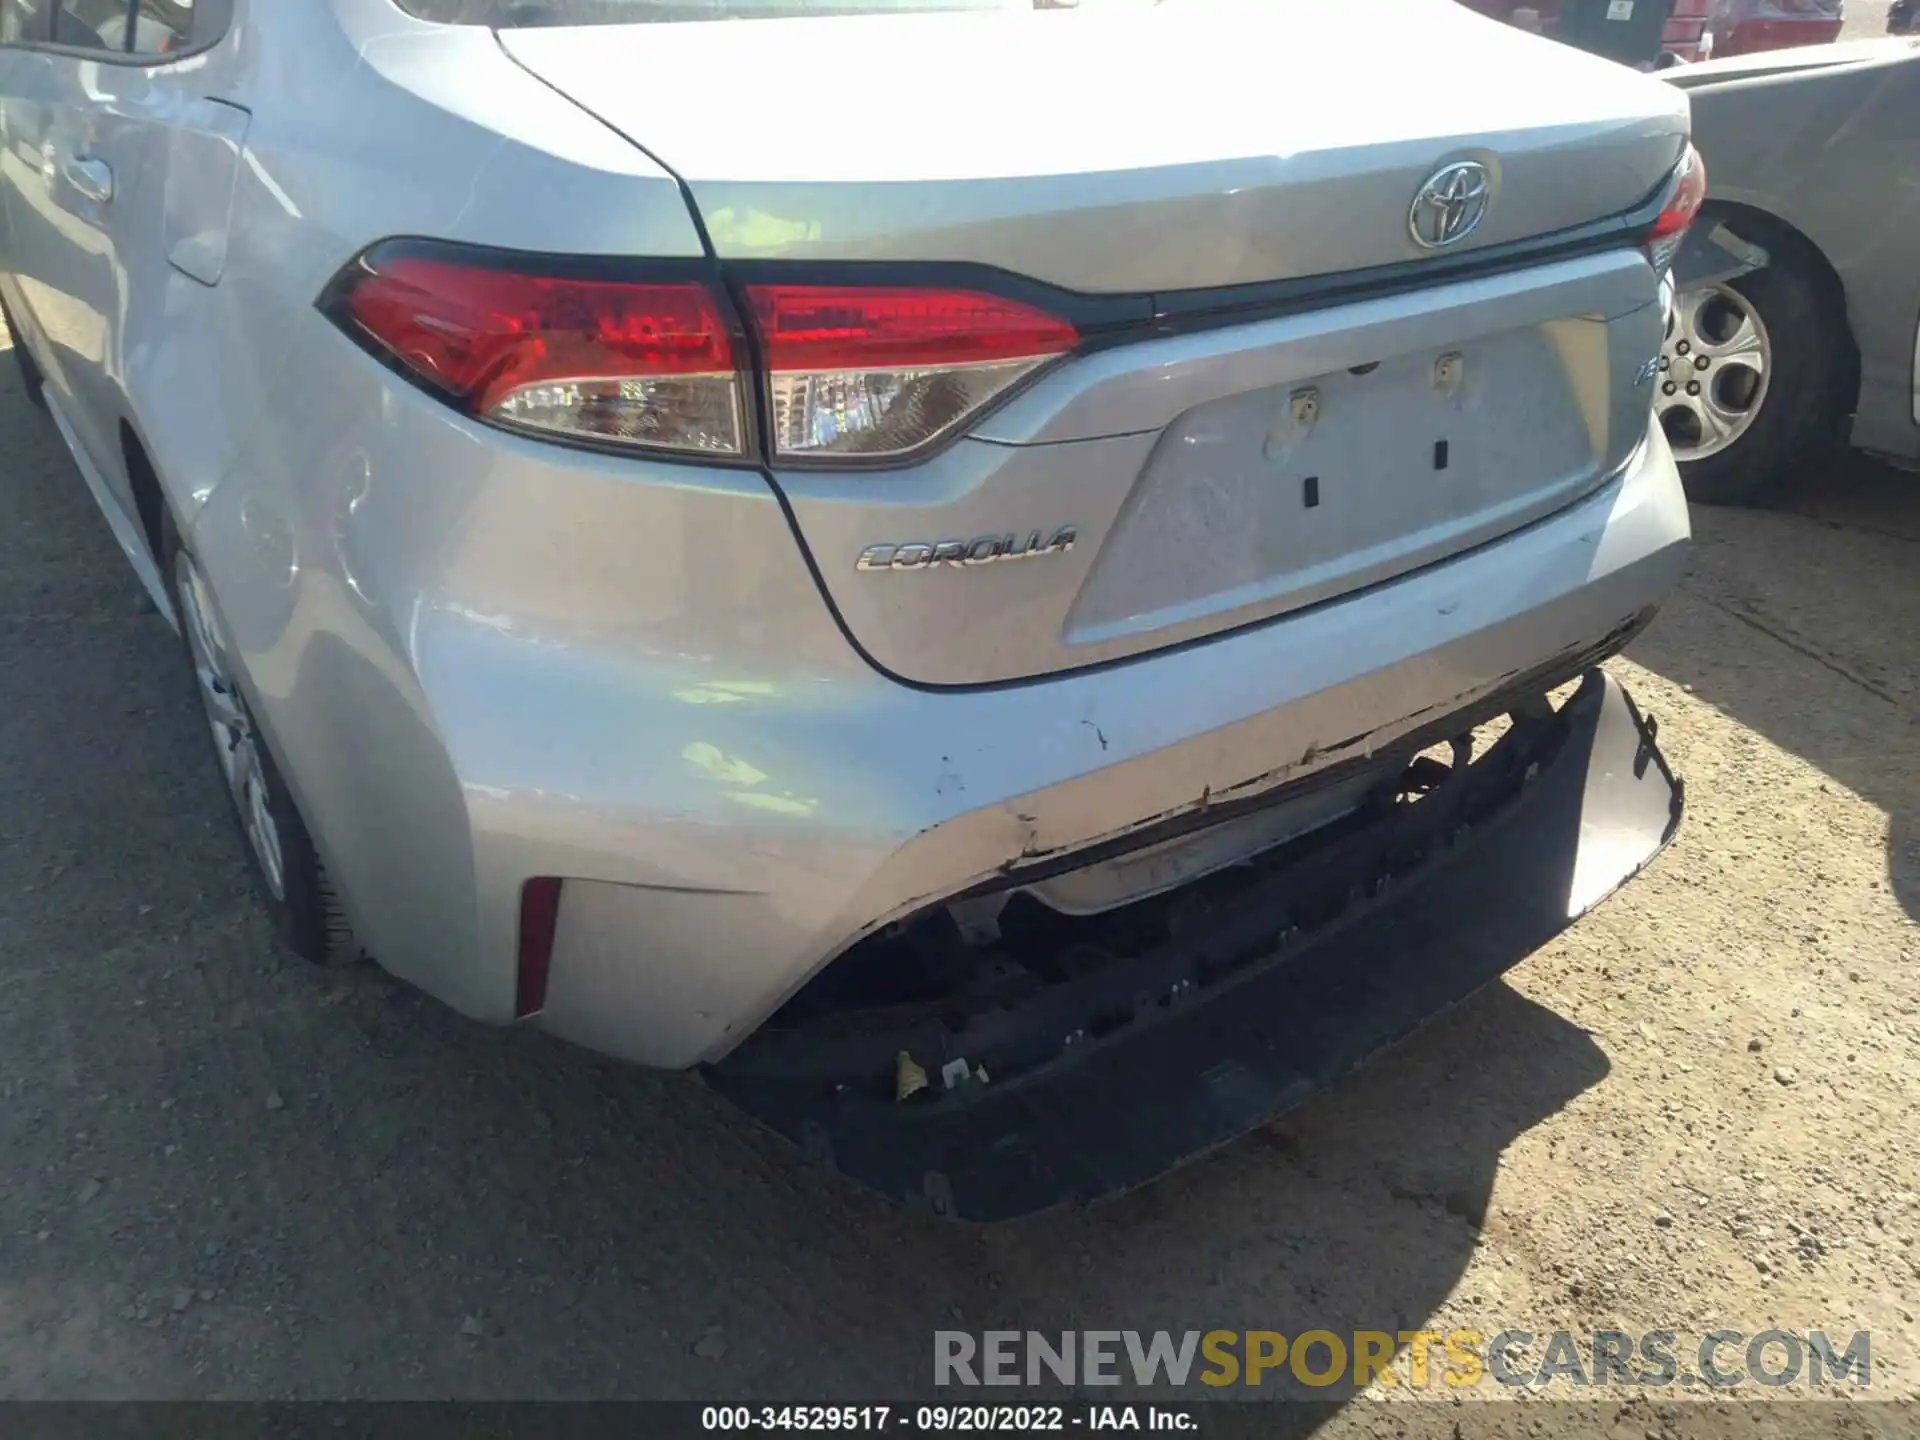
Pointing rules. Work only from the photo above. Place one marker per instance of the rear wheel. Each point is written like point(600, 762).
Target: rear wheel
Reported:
point(1750, 376)
point(31, 380)
point(292, 882)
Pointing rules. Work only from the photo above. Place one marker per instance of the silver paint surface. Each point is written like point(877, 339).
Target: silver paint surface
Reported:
point(480, 657)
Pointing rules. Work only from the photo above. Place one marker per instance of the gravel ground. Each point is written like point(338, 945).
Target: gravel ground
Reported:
point(1866, 19)
point(222, 1174)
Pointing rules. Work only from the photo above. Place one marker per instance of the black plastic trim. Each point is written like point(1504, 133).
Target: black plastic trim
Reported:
point(1185, 310)
point(1116, 318)
point(1190, 1071)
point(1094, 316)
point(529, 262)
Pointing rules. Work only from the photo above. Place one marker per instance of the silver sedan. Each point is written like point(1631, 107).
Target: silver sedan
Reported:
point(907, 554)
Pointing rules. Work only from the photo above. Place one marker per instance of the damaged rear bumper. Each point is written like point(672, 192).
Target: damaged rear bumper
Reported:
point(1336, 950)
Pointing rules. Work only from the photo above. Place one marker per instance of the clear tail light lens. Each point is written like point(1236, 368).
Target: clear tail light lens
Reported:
point(883, 371)
point(1687, 192)
point(625, 362)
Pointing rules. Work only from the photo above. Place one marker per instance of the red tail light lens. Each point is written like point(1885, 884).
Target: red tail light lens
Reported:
point(539, 920)
point(1687, 193)
point(651, 355)
point(882, 371)
point(627, 362)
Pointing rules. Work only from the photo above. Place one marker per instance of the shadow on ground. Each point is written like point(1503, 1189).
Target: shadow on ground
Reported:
point(1780, 619)
point(223, 1174)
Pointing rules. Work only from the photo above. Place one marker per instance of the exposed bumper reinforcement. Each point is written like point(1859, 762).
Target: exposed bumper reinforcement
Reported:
point(1112, 1113)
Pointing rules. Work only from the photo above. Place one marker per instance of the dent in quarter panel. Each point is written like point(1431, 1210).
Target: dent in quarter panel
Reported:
point(203, 161)
point(389, 769)
point(486, 657)
point(364, 124)
point(334, 691)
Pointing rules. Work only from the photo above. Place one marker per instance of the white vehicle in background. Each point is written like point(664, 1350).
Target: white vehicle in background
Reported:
point(1798, 324)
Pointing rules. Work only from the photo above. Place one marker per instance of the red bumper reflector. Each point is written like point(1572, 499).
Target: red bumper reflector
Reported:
point(539, 916)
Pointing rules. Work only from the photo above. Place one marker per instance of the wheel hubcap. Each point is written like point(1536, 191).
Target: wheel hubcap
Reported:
point(234, 738)
point(1714, 371)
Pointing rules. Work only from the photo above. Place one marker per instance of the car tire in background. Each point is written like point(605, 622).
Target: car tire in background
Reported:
point(1752, 374)
point(289, 877)
point(31, 380)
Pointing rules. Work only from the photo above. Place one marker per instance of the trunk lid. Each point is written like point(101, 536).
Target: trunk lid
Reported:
point(1434, 422)
point(1209, 479)
point(1193, 144)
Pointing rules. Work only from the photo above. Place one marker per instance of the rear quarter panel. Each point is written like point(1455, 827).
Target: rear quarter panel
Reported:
point(365, 124)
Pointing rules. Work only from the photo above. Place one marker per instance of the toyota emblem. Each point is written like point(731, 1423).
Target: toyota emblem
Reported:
point(1451, 205)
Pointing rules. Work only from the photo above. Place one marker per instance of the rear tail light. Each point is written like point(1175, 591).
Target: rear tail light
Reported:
point(882, 371)
point(539, 920)
point(650, 356)
point(624, 362)
point(1686, 192)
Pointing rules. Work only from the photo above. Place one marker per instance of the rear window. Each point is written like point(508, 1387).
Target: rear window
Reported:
point(507, 14)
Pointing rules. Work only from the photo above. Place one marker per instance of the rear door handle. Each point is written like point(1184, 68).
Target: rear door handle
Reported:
point(92, 178)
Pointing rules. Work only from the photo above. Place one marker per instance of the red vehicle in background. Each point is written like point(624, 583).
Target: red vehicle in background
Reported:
point(1697, 29)
point(1689, 35)
point(1741, 27)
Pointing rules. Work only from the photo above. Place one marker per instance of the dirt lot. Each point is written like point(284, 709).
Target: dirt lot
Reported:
point(1866, 19)
point(224, 1175)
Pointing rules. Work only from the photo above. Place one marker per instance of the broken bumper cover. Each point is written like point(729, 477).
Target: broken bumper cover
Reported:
point(1360, 944)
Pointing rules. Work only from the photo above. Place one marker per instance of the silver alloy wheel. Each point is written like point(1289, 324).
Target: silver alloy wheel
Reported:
point(234, 737)
point(1714, 370)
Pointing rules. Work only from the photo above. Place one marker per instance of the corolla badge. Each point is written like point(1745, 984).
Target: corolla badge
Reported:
point(1451, 205)
point(981, 550)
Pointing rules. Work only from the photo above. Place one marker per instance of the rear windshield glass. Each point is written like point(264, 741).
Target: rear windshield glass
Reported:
point(506, 14)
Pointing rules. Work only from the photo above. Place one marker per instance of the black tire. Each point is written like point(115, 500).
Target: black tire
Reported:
point(31, 380)
point(308, 914)
point(1801, 414)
